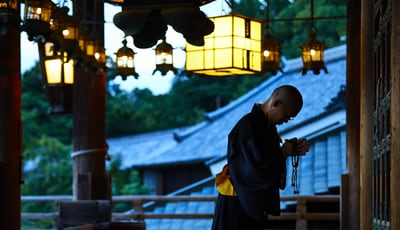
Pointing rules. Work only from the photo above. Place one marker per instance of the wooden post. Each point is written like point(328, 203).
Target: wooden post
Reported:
point(366, 119)
point(90, 181)
point(10, 126)
point(301, 209)
point(395, 107)
point(344, 202)
point(353, 114)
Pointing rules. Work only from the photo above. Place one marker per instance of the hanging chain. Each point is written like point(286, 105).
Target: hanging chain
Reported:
point(295, 165)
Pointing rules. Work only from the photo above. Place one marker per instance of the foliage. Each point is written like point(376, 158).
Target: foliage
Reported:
point(290, 21)
point(35, 116)
point(124, 182)
point(140, 111)
point(293, 33)
point(46, 149)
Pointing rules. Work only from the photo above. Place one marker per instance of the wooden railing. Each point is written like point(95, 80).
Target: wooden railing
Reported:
point(301, 215)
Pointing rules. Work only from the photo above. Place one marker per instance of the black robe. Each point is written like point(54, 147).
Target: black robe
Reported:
point(256, 167)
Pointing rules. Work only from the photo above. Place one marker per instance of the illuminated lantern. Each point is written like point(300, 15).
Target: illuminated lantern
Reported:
point(58, 77)
point(233, 48)
point(8, 14)
point(271, 55)
point(125, 62)
point(37, 15)
point(313, 55)
point(164, 58)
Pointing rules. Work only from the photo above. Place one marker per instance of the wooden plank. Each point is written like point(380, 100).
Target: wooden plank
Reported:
point(321, 216)
point(38, 216)
point(344, 203)
point(73, 213)
point(149, 215)
point(353, 89)
point(146, 198)
point(301, 209)
point(366, 120)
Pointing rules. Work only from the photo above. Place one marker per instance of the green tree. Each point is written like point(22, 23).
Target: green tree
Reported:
point(46, 148)
point(124, 182)
point(292, 24)
point(47, 141)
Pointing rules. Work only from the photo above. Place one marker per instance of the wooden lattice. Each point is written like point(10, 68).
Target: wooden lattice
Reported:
point(381, 153)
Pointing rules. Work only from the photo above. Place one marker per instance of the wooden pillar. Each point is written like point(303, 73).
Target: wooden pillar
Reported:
point(10, 126)
point(353, 116)
point(301, 209)
point(90, 181)
point(366, 119)
point(395, 107)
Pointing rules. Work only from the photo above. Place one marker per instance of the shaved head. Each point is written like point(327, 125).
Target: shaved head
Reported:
point(289, 95)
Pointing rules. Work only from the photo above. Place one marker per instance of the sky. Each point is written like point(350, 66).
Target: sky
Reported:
point(144, 58)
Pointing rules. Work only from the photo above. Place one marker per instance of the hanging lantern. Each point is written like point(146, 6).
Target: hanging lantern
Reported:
point(234, 48)
point(125, 62)
point(58, 77)
point(65, 30)
point(90, 47)
point(8, 5)
point(100, 55)
point(313, 55)
point(37, 15)
point(164, 58)
point(8, 14)
point(271, 55)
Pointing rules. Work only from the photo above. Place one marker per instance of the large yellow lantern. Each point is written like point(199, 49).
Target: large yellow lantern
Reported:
point(58, 77)
point(234, 48)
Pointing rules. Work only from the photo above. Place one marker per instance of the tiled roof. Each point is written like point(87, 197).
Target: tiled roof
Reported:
point(202, 188)
point(141, 147)
point(208, 139)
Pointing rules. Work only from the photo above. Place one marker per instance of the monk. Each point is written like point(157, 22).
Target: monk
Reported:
point(256, 163)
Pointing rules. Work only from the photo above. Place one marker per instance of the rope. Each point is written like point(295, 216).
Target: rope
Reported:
point(86, 151)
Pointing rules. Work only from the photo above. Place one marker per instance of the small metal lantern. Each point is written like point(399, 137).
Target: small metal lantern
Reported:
point(125, 62)
point(164, 58)
point(8, 14)
point(313, 55)
point(271, 55)
point(37, 15)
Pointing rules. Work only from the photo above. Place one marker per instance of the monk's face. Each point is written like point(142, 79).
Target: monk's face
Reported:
point(283, 112)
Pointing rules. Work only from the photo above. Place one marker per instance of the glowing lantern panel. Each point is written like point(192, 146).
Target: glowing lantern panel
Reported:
point(313, 55)
point(234, 48)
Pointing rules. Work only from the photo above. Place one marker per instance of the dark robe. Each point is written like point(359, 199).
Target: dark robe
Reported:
point(256, 167)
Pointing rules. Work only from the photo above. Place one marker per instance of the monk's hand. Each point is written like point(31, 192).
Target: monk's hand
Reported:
point(295, 147)
point(302, 146)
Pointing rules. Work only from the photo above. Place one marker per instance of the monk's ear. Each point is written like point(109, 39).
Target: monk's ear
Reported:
point(276, 103)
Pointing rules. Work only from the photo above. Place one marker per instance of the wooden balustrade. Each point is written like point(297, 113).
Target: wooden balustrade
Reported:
point(301, 215)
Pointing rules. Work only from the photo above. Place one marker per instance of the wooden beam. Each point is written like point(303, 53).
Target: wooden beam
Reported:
point(353, 113)
point(90, 181)
point(366, 119)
